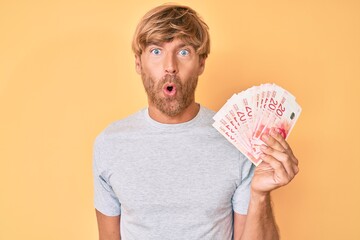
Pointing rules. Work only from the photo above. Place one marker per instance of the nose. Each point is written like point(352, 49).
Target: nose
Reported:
point(170, 64)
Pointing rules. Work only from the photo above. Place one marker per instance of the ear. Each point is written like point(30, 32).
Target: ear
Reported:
point(138, 64)
point(202, 65)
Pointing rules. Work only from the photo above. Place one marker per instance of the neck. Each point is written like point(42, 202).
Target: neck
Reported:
point(189, 113)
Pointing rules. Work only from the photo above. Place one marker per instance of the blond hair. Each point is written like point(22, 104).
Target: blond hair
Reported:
point(167, 22)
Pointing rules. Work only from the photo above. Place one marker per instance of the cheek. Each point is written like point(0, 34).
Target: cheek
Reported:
point(191, 69)
point(152, 71)
point(188, 68)
point(149, 82)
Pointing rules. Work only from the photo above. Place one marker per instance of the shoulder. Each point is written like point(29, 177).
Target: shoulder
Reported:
point(127, 124)
point(124, 126)
point(116, 132)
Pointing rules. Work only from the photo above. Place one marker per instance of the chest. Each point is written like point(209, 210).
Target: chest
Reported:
point(174, 175)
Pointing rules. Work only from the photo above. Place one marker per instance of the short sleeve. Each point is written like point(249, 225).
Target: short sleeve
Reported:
point(241, 197)
point(105, 200)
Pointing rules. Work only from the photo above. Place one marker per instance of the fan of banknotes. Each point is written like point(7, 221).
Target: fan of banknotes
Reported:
point(248, 115)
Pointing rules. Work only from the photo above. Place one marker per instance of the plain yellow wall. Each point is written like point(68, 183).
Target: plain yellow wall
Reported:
point(67, 70)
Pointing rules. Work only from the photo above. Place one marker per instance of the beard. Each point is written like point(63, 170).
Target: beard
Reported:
point(170, 105)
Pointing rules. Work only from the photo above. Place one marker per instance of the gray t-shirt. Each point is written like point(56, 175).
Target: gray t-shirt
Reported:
point(170, 181)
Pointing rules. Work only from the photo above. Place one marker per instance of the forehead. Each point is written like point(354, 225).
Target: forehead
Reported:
point(176, 43)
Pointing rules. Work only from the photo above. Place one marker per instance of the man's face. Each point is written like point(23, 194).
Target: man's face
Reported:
point(170, 73)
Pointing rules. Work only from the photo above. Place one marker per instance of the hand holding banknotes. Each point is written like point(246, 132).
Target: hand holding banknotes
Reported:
point(257, 121)
point(278, 167)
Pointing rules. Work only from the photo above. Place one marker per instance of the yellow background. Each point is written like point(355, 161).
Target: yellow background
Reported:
point(67, 70)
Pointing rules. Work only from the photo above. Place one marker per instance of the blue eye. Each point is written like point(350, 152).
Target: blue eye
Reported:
point(156, 51)
point(184, 52)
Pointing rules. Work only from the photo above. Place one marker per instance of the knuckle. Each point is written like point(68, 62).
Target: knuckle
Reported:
point(286, 147)
point(296, 169)
point(284, 181)
point(291, 176)
point(287, 158)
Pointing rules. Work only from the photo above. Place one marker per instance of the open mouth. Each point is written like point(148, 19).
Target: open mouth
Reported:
point(169, 89)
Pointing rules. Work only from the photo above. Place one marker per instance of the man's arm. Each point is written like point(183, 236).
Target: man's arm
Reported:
point(278, 168)
point(109, 227)
point(259, 223)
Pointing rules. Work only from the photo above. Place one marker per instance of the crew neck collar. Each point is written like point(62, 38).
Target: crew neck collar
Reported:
point(172, 126)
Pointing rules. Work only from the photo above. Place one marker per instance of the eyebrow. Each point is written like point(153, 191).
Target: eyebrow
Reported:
point(161, 44)
point(155, 43)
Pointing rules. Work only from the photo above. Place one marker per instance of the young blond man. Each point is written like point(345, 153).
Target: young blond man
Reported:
point(164, 172)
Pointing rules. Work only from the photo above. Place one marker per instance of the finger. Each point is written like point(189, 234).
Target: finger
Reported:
point(278, 137)
point(283, 157)
point(280, 175)
point(272, 142)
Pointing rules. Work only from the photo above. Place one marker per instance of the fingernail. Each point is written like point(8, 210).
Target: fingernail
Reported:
point(274, 131)
point(265, 137)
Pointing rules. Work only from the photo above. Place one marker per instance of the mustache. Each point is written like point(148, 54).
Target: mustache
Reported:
point(170, 78)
